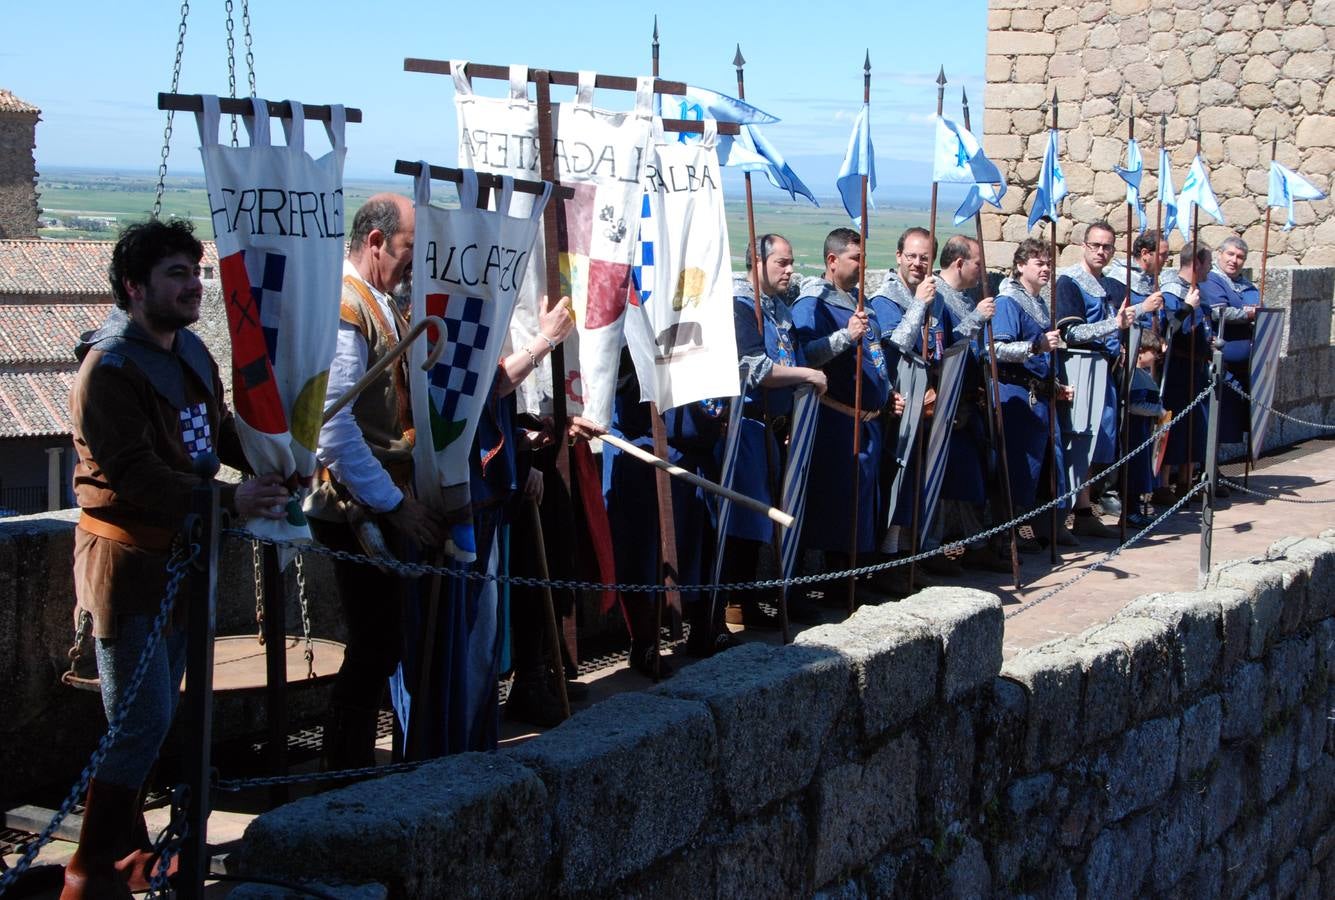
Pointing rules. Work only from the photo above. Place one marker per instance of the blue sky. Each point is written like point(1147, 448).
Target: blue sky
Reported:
point(95, 68)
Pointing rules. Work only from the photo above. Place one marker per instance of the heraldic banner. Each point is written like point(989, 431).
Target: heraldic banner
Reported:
point(600, 154)
point(278, 220)
point(468, 267)
point(680, 325)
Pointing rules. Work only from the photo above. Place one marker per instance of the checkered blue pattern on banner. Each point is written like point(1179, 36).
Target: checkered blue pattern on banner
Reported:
point(643, 270)
point(465, 336)
point(195, 432)
point(268, 293)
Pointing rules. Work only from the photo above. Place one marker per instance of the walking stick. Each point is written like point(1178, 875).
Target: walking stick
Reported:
point(857, 369)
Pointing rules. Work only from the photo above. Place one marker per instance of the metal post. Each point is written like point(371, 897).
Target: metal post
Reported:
point(201, 596)
point(275, 671)
point(1211, 465)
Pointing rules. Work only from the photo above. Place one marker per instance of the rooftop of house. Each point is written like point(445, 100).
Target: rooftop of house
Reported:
point(11, 103)
point(31, 269)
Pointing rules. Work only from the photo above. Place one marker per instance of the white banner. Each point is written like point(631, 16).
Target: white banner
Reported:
point(278, 219)
point(680, 325)
point(468, 267)
point(600, 154)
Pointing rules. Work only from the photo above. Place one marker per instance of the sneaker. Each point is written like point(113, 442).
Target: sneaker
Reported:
point(1138, 520)
point(1111, 504)
point(1092, 526)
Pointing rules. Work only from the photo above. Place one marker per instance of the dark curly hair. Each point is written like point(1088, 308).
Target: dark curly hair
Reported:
point(142, 245)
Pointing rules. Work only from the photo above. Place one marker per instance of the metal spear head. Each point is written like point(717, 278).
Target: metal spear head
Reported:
point(655, 28)
point(941, 77)
point(738, 60)
point(964, 97)
point(866, 63)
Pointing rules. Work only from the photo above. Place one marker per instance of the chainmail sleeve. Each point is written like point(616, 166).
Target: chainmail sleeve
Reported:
point(1014, 352)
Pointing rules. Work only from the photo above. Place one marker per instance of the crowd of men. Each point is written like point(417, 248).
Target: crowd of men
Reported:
point(148, 403)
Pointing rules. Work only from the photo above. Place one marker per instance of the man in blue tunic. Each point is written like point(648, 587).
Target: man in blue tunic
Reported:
point(773, 362)
point(1094, 309)
point(1240, 299)
point(829, 328)
point(1025, 341)
point(906, 300)
point(1149, 255)
point(1190, 333)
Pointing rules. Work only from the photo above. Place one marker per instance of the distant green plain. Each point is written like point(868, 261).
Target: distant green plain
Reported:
point(129, 197)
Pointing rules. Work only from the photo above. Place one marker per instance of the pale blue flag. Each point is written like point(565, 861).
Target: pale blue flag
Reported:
point(959, 157)
point(858, 161)
point(1286, 186)
point(1051, 185)
point(978, 195)
point(1196, 191)
point(1134, 171)
point(750, 151)
point(702, 103)
point(1166, 195)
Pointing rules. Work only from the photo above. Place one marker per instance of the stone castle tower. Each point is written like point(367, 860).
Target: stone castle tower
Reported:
point(18, 167)
point(1246, 72)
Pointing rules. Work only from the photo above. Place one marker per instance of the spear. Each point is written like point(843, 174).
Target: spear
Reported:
point(757, 261)
point(1130, 363)
point(857, 370)
point(994, 392)
point(1158, 216)
point(1265, 241)
point(926, 348)
point(1052, 369)
point(1195, 277)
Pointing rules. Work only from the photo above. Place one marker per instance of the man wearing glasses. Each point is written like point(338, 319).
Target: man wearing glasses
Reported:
point(1092, 310)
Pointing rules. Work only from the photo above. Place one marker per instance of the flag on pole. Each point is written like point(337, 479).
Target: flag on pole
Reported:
point(1286, 186)
point(959, 159)
point(1051, 185)
point(750, 151)
point(858, 161)
point(702, 103)
point(1131, 174)
point(1166, 195)
point(1196, 191)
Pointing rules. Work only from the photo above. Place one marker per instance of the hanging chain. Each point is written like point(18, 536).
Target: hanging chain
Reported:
point(305, 616)
point(167, 132)
point(231, 65)
point(250, 53)
point(257, 571)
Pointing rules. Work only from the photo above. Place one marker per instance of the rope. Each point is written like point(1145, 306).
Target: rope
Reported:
point(177, 566)
point(413, 570)
point(1237, 389)
point(1112, 554)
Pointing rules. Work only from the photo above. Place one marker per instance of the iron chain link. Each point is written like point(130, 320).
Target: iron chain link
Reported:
point(231, 64)
point(1237, 389)
point(167, 131)
point(250, 52)
point(1268, 495)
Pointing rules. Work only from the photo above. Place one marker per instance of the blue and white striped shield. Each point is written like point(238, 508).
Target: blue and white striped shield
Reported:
point(802, 438)
point(943, 421)
point(1264, 367)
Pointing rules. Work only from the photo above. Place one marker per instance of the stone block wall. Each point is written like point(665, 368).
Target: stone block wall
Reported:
point(1247, 72)
point(1182, 749)
point(1305, 385)
point(18, 174)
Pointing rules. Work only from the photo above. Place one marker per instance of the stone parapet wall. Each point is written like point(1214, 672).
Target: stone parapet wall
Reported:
point(1247, 72)
point(1182, 749)
point(1305, 385)
point(18, 175)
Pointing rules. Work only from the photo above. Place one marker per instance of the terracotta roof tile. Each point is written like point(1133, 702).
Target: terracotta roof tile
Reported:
point(35, 404)
point(10, 103)
point(45, 333)
point(36, 268)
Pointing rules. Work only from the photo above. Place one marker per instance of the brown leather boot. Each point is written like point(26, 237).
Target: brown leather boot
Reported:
point(108, 823)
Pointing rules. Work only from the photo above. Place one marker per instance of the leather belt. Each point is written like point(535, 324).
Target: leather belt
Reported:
point(865, 415)
point(147, 537)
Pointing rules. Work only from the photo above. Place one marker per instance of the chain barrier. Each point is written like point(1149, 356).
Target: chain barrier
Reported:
point(231, 65)
point(178, 566)
point(1112, 554)
point(167, 132)
point(1237, 389)
point(412, 570)
point(257, 571)
point(168, 844)
point(1268, 495)
point(305, 604)
point(233, 785)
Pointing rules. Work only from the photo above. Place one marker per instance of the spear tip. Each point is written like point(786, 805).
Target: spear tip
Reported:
point(655, 27)
point(866, 63)
point(964, 96)
point(1054, 96)
point(738, 60)
point(941, 77)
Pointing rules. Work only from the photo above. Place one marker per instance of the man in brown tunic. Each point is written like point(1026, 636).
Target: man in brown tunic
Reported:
point(147, 402)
